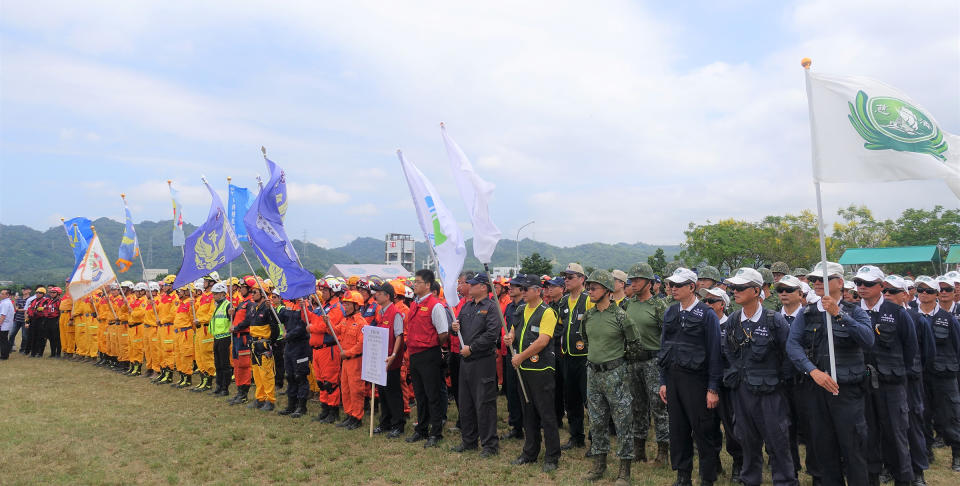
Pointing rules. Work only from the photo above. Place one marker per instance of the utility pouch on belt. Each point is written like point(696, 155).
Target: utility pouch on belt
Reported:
point(874, 377)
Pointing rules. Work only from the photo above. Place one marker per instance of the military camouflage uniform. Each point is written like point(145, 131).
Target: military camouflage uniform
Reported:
point(648, 317)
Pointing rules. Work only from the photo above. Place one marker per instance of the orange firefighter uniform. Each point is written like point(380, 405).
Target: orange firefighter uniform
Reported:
point(349, 330)
point(68, 344)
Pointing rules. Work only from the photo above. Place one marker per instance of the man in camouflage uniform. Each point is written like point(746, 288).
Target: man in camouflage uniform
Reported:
point(779, 269)
point(615, 342)
point(708, 277)
point(770, 300)
point(646, 313)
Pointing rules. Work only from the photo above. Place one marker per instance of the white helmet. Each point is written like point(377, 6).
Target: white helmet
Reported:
point(140, 286)
point(153, 286)
point(408, 292)
point(198, 286)
point(335, 285)
point(220, 287)
point(126, 284)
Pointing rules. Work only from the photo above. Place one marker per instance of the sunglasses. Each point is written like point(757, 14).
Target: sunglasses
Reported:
point(812, 279)
point(786, 290)
point(864, 283)
point(712, 301)
point(674, 284)
point(928, 291)
point(739, 288)
point(893, 291)
point(946, 289)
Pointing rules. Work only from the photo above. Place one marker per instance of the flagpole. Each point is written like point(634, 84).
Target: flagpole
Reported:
point(503, 323)
point(112, 310)
point(143, 272)
point(806, 62)
point(230, 265)
point(182, 250)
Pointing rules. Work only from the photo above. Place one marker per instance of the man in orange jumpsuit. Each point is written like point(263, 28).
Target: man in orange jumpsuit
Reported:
point(183, 337)
point(108, 318)
point(123, 306)
point(240, 333)
point(326, 355)
point(151, 329)
point(203, 340)
point(351, 339)
point(135, 328)
point(68, 344)
point(82, 317)
point(166, 308)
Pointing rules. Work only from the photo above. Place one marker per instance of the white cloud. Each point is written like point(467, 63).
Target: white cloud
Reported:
point(315, 193)
point(366, 209)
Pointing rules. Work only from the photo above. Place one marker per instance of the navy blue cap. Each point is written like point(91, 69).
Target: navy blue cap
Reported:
point(519, 280)
point(480, 278)
point(555, 281)
point(527, 281)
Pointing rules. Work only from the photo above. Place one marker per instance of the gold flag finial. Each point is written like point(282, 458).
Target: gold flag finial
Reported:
point(806, 62)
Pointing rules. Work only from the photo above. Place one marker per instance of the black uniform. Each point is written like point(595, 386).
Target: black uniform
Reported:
point(915, 393)
point(756, 352)
point(480, 329)
point(296, 356)
point(537, 374)
point(940, 381)
point(511, 384)
point(838, 425)
point(690, 364)
point(887, 408)
point(573, 365)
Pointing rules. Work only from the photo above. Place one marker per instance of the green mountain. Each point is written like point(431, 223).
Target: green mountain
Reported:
point(32, 256)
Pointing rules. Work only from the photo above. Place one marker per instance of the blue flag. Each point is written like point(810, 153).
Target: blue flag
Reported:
point(264, 223)
point(211, 246)
point(78, 234)
point(129, 247)
point(238, 202)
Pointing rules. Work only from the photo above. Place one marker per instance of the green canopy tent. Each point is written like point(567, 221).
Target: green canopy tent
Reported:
point(896, 254)
point(954, 256)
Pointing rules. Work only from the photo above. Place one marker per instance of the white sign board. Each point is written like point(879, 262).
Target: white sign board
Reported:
point(373, 366)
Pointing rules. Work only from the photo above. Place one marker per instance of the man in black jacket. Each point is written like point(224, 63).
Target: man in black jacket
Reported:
point(296, 357)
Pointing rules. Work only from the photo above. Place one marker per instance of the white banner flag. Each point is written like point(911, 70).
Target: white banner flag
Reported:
point(93, 272)
point(439, 227)
point(864, 130)
point(476, 194)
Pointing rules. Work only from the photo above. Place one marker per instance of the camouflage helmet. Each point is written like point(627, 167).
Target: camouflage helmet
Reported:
point(800, 271)
point(601, 277)
point(780, 267)
point(710, 272)
point(671, 266)
point(767, 275)
point(641, 270)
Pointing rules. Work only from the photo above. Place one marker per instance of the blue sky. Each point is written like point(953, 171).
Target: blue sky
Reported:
point(584, 117)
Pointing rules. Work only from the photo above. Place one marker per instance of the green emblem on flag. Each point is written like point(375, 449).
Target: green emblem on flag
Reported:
point(890, 123)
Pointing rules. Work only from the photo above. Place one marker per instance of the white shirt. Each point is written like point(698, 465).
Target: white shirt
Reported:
point(688, 309)
point(876, 307)
point(793, 314)
point(723, 319)
point(7, 310)
point(936, 309)
point(756, 315)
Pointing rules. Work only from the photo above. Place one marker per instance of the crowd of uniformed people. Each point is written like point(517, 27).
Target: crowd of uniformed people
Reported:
point(700, 359)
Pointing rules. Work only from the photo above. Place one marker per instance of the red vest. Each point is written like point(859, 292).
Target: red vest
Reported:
point(419, 332)
point(385, 320)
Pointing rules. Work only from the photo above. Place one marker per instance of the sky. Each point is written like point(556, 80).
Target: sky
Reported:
point(616, 121)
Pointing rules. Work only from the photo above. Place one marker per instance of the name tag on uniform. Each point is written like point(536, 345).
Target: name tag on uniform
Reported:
point(423, 308)
point(566, 311)
point(534, 328)
point(483, 312)
point(579, 316)
point(303, 360)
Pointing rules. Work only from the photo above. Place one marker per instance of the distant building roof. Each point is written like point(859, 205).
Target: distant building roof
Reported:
point(879, 256)
point(365, 269)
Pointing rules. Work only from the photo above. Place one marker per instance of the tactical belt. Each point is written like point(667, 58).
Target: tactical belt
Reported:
point(183, 329)
point(167, 324)
point(221, 336)
point(322, 347)
point(136, 324)
point(88, 315)
point(609, 365)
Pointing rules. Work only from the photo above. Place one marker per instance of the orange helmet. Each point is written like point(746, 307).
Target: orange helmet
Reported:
point(353, 296)
point(353, 280)
point(398, 288)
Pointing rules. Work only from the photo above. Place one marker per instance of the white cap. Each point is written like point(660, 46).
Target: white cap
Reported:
point(928, 281)
point(946, 281)
point(805, 288)
point(833, 270)
point(716, 292)
point(682, 275)
point(745, 276)
point(790, 281)
point(953, 274)
point(895, 281)
point(849, 285)
point(870, 273)
point(909, 283)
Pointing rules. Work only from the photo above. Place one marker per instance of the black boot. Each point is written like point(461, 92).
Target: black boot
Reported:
point(291, 406)
point(347, 421)
point(599, 466)
point(301, 409)
point(324, 411)
point(201, 384)
point(735, 470)
point(640, 450)
point(332, 417)
point(683, 478)
point(176, 383)
point(623, 476)
point(663, 454)
point(873, 479)
point(187, 381)
point(956, 459)
point(241, 396)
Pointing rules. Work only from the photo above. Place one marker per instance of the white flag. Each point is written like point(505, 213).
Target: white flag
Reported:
point(439, 227)
point(93, 272)
point(476, 194)
point(864, 130)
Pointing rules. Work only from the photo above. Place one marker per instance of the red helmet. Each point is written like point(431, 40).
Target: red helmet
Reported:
point(250, 281)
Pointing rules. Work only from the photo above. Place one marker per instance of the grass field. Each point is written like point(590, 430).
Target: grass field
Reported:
point(66, 422)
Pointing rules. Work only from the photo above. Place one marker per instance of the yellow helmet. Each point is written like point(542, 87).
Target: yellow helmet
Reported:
point(234, 280)
point(40, 290)
point(267, 284)
point(169, 279)
point(353, 280)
